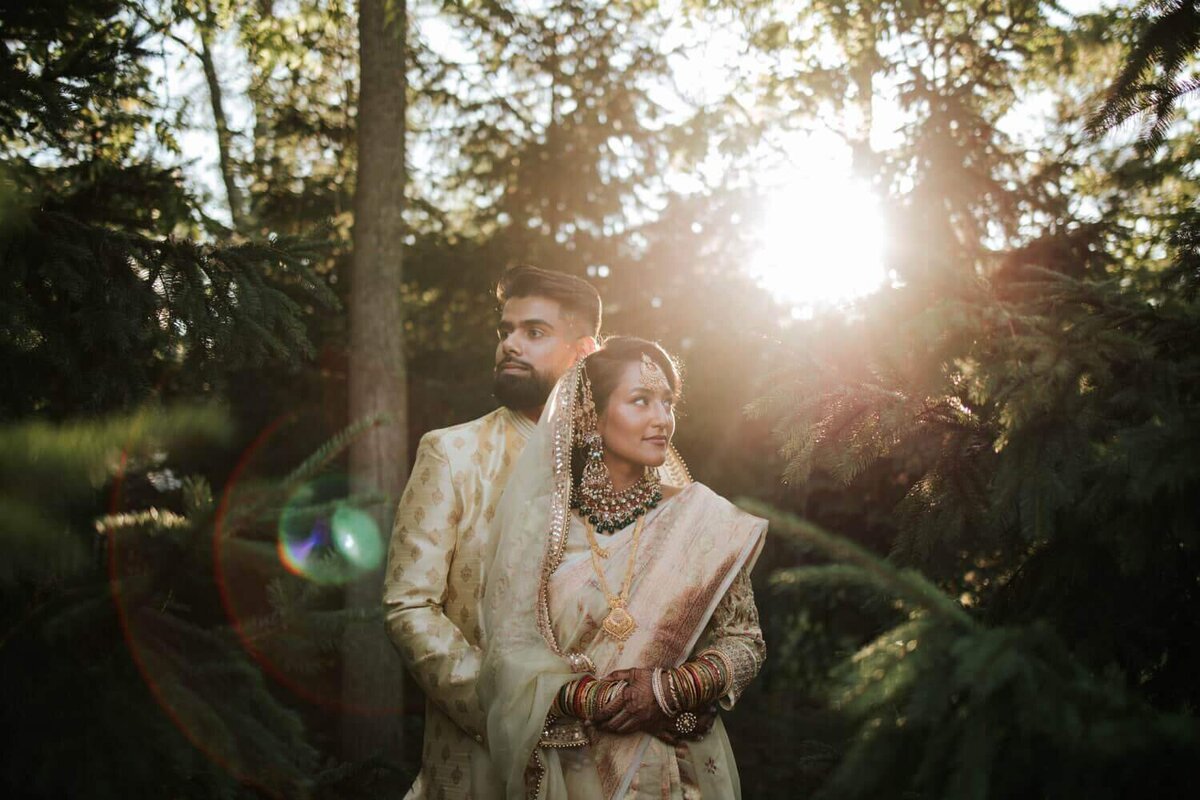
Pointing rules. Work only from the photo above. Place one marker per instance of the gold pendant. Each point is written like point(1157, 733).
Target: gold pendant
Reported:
point(619, 624)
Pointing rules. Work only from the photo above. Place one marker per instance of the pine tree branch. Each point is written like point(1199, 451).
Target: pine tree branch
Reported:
point(906, 584)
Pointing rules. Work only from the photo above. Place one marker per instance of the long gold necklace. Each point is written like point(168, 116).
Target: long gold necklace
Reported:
point(619, 623)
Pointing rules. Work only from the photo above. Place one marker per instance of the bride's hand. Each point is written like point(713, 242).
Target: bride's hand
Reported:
point(704, 723)
point(638, 710)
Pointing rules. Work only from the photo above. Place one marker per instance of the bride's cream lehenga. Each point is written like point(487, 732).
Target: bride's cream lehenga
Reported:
point(543, 608)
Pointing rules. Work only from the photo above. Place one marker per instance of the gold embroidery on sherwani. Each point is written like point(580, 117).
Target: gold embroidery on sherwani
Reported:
point(434, 582)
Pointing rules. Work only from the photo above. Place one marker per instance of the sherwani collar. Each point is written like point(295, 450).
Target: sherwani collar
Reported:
point(524, 425)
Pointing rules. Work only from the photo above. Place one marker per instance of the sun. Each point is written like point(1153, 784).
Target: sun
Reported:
point(821, 239)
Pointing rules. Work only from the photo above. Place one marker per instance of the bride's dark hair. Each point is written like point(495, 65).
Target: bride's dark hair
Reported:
point(603, 369)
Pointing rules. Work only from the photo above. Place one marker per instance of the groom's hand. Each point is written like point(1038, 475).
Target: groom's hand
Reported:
point(639, 710)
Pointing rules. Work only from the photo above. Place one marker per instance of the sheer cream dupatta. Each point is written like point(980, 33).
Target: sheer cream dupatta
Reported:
point(523, 668)
point(537, 618)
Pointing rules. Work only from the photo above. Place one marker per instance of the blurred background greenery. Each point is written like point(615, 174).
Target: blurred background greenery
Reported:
point(933, 269)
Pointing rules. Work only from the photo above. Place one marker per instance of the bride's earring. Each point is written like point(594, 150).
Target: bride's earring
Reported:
point(584, 423)
point(595, 482)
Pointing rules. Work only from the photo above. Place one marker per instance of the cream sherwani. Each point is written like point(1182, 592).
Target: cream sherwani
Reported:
point(433, 589)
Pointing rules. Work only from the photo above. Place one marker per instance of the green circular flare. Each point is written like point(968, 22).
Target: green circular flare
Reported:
point(356, 537)
point(326, 539)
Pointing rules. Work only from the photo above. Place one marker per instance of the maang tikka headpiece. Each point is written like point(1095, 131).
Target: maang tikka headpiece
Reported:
point(597, 500)
point(653, 377)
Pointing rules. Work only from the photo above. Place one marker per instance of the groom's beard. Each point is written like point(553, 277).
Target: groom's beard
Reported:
point(523, 390)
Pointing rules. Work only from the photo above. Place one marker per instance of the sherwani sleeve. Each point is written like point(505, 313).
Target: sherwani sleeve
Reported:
point(424, 538)
point(734, 631)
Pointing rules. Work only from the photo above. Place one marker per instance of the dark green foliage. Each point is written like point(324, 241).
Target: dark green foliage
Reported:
point(1055, 433)
point(50, 474)
point(109, 631)
point(63, 59)
point(96, 318)
point(942, 706)
point(143, 685)
point(105, 304)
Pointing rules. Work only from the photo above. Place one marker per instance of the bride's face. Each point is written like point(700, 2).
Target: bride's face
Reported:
point(639, 420)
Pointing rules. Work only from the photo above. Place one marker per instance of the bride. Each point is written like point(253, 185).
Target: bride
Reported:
point(618, 602)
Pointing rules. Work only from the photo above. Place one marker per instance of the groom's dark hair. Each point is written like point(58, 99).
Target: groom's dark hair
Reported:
point(577, 298)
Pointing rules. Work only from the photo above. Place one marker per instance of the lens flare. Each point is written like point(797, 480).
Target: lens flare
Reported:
point(356, 537)
point(323, 538)
point(280, 576)
point(181, 663)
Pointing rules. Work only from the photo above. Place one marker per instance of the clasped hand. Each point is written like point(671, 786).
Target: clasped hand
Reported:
point(635, 709)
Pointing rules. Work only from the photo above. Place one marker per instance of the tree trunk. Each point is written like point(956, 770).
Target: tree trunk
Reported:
point(372, 671)
point(224, 138)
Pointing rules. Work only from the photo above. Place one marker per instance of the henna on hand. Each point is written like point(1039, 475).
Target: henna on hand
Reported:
point(639, 711)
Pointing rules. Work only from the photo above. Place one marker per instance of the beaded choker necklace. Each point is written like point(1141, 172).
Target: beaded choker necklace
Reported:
point(610, 511)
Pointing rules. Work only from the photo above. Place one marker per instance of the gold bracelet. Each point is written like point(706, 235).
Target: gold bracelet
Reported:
point(676, 703)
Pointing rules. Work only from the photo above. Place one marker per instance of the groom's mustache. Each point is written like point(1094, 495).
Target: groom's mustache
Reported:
point(515, 362)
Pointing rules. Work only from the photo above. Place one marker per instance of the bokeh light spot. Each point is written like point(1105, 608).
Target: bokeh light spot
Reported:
point(323, 538)
point(356, 537)
point(281, 565)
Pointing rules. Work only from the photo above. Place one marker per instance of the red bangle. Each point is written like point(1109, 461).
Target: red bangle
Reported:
point(584, 683)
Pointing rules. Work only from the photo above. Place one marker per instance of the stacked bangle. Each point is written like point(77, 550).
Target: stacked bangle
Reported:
point(726, 665)
point(692, 685)
point(664, 693)
point(689, 687)
point(583, 697)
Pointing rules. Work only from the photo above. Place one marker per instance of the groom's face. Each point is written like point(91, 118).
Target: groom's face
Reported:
point(538, 343)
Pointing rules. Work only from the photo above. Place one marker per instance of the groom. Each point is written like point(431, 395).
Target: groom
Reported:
point(432, 588)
